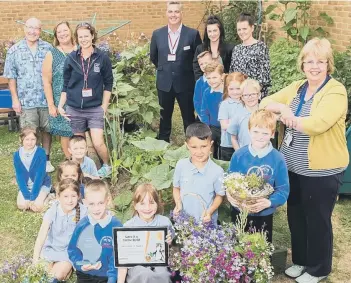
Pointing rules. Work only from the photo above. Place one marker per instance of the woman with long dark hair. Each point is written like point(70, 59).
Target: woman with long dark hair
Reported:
point(213, 42)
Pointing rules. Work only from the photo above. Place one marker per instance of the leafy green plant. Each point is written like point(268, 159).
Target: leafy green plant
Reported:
point(295, 16)
point(123, 209)
point(135, 86)
point(283, 59)
point(343, 74)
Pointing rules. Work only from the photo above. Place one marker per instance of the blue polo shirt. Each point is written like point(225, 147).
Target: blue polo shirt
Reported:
point(25, 68)
point(206, 183)
point(272, 164)
point(88, 166)
point(239, 126)
point(200, 86)
point(210, 107)
point(227, 110)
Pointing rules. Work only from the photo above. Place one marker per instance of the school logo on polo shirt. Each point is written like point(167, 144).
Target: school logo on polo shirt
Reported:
point(96, 67)
point(106, 242)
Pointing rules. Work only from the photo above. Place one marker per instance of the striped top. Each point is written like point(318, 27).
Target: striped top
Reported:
point(296, 155)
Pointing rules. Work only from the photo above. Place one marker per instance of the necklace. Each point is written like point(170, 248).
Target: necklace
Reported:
point(63, 50)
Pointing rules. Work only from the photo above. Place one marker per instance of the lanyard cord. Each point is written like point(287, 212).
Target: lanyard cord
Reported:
point(85, 74)
point(173, 45)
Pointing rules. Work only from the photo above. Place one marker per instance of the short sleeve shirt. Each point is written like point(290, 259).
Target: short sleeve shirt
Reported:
point(239, 126)
point(198, 187)
point(227, 111)
point(62, 226)
point(26, 68)
point(89, 167)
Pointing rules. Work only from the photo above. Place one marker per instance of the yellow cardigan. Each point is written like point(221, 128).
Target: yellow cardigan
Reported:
point(327, 148)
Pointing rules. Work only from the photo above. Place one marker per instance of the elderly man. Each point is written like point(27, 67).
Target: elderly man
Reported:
point(23, 69)
point(172, 51)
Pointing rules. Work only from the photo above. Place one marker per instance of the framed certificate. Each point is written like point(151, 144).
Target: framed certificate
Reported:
point(144, 246)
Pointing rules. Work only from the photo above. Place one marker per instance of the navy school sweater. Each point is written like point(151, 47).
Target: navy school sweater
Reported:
point(210, 107)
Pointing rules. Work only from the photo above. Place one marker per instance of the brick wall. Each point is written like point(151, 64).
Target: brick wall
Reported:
point(339, 32)
point(145, 16)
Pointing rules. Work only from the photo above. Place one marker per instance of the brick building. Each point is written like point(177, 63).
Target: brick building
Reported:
point(145, 16)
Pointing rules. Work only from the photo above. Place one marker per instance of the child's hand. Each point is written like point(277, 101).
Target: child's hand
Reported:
point(233, 202)
point(206, 217)
point(169, 239)
point(87, 267)
point(260, 205)
point(96, 266)
point(177, 209)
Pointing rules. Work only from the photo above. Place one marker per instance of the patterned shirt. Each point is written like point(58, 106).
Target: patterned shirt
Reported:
point(253, 60)
point(25, 68)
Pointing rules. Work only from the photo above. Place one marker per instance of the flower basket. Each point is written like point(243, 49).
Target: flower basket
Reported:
point(247, 189)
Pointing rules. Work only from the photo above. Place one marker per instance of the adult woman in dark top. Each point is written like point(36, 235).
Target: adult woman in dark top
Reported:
point(213, 42)
point(251, 57)
point(86, 91)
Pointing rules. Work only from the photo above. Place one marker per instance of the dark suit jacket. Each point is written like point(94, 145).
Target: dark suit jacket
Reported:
point(180, 73)
point(226, 55)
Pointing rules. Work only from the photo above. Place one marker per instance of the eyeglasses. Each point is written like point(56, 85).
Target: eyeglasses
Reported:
point(248, 95)
point(33, 28)
point(310, 64)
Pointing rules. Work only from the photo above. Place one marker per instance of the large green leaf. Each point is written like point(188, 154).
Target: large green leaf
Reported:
point(149, 116)
point(160, 176)
point(124, 87)
point(223, 164)
point(127, 55)
point(173, 156)
point(304, 32)
point(327, 18)
point(135, 78)
point(123, 199)
point(150, 144)
point(290, 14)
point(124, 215)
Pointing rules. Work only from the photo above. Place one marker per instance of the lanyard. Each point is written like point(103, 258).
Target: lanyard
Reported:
point(303, 94)
point(173, 45)
point(85, 73)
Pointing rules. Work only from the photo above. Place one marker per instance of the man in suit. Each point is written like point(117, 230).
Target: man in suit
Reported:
point(171, 51)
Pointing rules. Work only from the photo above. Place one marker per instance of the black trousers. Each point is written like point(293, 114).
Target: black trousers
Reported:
point(86, 278)
point(310, 206)
point(225, 153)
point(216, 137)
point(259, 223)
point(166, 101)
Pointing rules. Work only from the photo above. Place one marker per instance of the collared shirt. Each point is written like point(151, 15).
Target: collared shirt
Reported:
point(102, 222)
point(62, 226)
point(239, 126)
point(173, 39)
point(198, 187)
point(88, 166)
point(25, 68)
point(228, 109)
point(262, 153)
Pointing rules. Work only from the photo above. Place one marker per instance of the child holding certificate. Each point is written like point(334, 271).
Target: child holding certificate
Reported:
point(91, 247)
point(147, 208)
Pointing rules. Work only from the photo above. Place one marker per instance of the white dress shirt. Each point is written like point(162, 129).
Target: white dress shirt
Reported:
point(173, 39)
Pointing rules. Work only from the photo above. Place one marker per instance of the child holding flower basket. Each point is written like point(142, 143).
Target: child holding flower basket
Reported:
point(258, 179)
point(197, 181)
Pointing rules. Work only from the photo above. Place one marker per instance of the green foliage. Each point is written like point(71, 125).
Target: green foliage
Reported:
point(135, 86)
point(122, 202)
point(343, 74)
point(295, 18)
point(283, 59)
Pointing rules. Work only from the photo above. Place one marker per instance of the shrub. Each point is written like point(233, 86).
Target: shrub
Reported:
point(283, 58)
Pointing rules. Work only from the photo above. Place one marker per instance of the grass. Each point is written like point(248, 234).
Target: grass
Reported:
point(18, 230)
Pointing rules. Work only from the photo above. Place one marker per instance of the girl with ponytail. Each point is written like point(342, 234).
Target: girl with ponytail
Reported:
point(57, 228)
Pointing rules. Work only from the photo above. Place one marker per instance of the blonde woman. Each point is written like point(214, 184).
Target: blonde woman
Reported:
point(53, 81)
point(314, 145)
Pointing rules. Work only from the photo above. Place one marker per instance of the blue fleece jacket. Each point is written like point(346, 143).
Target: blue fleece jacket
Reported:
point(200, 86)
point(93, 241)
point(274, 168)
point(210, 107)
point(37, 173)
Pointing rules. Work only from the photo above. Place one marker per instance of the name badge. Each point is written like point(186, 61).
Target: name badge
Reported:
point(288, 139)
point(97, 67)
point(186, 47)
point(87, 92)
point(171, 57)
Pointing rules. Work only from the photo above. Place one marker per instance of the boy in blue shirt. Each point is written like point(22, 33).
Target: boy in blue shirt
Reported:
point(197, 181)
point(261, 154)
point(90, 249)
point(203, 59)
point(78, 149)
point(211, 99)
